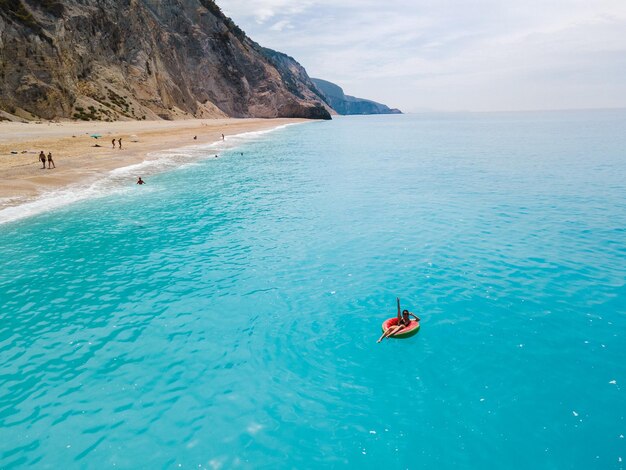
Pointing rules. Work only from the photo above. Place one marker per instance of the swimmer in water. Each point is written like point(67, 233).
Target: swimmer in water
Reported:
point(403, 320)
point(140, 181)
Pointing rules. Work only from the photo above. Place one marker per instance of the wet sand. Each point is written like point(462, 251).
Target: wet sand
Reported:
point(78, 158)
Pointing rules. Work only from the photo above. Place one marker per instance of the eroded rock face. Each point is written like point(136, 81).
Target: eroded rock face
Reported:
point(142, 59)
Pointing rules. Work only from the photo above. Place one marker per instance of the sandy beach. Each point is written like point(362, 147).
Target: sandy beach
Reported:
point(81, 158)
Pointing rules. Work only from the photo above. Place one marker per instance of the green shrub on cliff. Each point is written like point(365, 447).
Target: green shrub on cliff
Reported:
point(17, 11)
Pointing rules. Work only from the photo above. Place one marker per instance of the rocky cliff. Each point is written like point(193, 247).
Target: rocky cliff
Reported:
point(345, 104)
point(142, 59)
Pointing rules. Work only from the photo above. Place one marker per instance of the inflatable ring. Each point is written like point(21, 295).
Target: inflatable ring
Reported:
point(409, 330)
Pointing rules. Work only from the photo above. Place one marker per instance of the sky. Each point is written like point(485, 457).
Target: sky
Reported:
point(452, 55)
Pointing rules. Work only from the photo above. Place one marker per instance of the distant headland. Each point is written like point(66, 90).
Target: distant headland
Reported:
point(104, 60)
point(346, 104)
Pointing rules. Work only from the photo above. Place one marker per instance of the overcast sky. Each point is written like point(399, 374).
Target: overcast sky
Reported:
point(480, 55)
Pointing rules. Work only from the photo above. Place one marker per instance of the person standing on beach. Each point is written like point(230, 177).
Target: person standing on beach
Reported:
point(42, 159)
point(113, 142)
point(50, 161)
point(223, 138)
point(119, 141)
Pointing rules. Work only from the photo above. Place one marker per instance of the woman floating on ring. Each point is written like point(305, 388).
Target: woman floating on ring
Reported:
point(402, 321)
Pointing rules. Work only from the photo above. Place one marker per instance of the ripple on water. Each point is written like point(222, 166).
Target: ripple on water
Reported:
point(232, 322)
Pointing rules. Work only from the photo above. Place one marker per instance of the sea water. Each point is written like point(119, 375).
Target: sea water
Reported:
point(225, 315)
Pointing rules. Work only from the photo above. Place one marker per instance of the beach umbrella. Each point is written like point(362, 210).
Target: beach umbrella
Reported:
point(95, 136)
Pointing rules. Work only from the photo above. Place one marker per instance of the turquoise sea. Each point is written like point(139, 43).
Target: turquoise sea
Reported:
point(225, 315)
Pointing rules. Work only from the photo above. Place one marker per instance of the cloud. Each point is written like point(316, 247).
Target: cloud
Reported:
point(264, 10)
point(281, 25)
point(447, 54)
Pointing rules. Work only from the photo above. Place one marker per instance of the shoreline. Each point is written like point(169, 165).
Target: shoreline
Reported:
point(82, 162)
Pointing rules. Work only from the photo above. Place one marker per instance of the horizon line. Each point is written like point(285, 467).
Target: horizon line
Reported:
point(537, 110)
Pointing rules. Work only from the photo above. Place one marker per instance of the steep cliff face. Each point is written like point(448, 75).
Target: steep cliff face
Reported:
point(345, 104)
point(142, 59)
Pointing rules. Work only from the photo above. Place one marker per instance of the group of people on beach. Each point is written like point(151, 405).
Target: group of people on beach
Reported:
point(43, 158)
point(119, 141)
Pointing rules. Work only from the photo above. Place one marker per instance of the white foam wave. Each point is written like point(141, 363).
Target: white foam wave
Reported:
point(117, 180)
point(55, 199)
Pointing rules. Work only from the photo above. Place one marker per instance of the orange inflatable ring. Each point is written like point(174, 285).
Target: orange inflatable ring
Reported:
point(405, 332)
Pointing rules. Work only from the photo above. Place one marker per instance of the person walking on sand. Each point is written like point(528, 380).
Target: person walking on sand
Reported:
point(42, 159)
point(223, 138)
point(140, 181)
point(113, 142)
point(50, 161)
point(119, 141)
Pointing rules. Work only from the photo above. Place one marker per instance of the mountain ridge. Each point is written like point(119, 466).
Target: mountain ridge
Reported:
point(140, 59)
point(350, 105)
